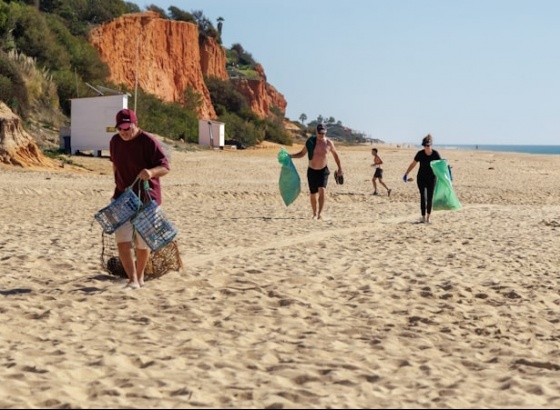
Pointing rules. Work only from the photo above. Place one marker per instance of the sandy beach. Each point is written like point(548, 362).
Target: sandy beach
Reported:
point(365, 309)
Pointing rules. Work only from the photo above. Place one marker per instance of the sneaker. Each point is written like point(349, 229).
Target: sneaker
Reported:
point(376, 193)
point(423, 220)
point(389, 192)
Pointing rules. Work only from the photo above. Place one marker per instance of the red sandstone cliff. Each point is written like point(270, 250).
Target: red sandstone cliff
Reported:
point(213, 59)
point(170, 58)
point(261, 95)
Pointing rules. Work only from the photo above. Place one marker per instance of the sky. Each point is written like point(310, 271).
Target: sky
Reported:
point(465, 71)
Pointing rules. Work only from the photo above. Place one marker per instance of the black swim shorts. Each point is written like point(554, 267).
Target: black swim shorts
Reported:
point(317, 178)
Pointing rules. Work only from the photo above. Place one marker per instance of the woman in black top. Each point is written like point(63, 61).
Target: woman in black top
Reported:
point(426, 179)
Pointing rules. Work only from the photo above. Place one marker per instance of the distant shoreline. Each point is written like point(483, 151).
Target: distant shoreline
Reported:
point(521, 149)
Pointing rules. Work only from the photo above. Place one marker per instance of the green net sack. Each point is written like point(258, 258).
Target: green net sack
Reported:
point(444, 195)
point(290, 184)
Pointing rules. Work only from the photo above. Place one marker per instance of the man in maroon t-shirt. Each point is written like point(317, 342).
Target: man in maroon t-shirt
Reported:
point(136, 156)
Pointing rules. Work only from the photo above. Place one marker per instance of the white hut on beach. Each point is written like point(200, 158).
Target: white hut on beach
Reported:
point(211, 134)
point(93, 123)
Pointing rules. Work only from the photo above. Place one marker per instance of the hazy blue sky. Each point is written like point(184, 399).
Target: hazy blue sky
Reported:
point(466, 71)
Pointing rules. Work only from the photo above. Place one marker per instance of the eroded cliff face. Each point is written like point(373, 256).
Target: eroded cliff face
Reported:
point(262, 96)
point(213, 59)
point(170, 59)
point(17, 147)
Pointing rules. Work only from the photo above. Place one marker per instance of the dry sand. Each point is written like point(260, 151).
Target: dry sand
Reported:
point(366, 309)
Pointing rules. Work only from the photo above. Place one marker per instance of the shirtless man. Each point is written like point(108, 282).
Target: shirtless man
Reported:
point(378, 173)
point(317, 148)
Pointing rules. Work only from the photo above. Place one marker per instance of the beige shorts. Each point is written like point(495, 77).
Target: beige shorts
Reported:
point(125, 233)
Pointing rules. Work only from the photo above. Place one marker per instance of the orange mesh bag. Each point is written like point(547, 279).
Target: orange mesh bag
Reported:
point(161, 262)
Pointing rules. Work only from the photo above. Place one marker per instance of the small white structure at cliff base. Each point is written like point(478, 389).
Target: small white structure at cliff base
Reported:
point(92, 123)
point(211, 134)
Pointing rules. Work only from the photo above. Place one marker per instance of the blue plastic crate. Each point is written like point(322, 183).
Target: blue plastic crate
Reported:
point(152, 225)
point(119, 211)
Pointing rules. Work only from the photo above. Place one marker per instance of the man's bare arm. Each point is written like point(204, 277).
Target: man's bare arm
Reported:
point(336, 157)
point(299, 154)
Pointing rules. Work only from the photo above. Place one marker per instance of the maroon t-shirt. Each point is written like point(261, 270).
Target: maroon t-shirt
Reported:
point(131, 157)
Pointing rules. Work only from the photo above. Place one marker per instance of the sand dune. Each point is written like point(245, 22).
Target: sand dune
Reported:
point(366, 309)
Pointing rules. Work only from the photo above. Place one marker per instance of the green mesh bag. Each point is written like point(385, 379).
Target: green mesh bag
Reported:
point(290, 184)
point(444, 195)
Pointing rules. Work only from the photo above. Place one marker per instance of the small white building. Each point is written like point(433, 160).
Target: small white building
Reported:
point(93, 123)
point(211, 134)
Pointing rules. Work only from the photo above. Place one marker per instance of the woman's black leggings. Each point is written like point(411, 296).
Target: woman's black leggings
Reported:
point(426, 187)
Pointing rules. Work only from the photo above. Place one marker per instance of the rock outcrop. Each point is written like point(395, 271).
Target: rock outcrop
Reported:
point(170, 59)
point(17, 147)
point(262, 96)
